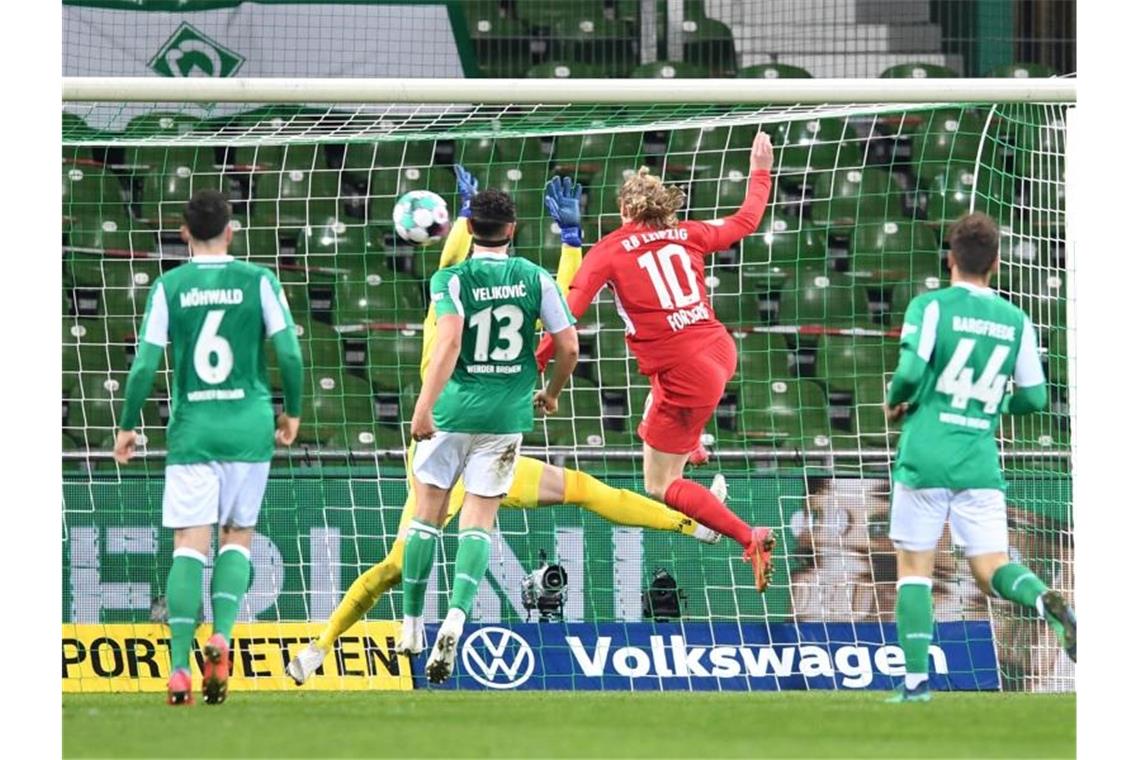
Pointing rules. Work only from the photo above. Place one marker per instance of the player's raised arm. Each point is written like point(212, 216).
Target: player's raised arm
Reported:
point(458, 243)
point(589, 279)
point(563, 201)
point(1029, 391)
point(279, 328)
point(724, 232)
point(151, 342)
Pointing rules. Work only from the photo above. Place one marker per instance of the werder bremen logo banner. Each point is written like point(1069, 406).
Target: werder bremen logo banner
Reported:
point(190, 53)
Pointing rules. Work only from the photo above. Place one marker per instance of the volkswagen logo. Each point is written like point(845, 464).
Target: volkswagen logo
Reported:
point(498, 658)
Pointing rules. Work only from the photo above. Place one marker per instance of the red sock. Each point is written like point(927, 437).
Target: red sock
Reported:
point(694, 500)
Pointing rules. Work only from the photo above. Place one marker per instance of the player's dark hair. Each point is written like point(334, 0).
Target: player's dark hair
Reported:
point(206, 215)
point(974, 241)
point(491, 211)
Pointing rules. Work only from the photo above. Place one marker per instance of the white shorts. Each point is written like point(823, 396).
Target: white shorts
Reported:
point(977, 519)
point(486, 461)
point(213, 493)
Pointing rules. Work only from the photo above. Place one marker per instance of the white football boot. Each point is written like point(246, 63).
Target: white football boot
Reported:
point(305, 663)
point(442, 659)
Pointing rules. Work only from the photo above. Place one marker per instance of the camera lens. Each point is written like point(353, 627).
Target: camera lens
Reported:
point(554, 578)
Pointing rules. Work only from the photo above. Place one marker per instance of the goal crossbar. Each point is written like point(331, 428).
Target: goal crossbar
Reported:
point(552, 91)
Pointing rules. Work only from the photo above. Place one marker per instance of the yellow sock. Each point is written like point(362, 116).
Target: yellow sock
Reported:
point(363, 594)
point(621, 506)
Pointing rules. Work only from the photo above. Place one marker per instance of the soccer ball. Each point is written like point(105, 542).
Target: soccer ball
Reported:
point(421, 217)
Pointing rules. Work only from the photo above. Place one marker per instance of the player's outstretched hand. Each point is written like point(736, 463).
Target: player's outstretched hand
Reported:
point(467, 186)
point(545, 403)
point(761, 157)
point(563, 201)
point(895, 413)
point(125, 445)
point(287, 428)
point(423, 425)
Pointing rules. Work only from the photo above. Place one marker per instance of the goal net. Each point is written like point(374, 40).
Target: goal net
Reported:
point(857, 225)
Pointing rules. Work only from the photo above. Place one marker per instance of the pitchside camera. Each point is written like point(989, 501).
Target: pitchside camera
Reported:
point(663, 599)
point(544, 590)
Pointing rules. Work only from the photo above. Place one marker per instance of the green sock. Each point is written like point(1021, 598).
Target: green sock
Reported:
point(419, 557)
point(471, 560)
point(1020, 585)
point(914, 611)
point(228, 586)
point(183, 603)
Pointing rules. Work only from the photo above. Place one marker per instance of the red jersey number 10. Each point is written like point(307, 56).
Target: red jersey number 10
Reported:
point(662, 272)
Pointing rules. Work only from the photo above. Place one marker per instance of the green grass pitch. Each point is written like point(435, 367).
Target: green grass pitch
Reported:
point(561, 724)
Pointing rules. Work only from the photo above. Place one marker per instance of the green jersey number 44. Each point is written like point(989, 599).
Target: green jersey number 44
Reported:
point(969, 342)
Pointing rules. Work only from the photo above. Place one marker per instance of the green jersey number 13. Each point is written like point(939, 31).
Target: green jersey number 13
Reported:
point(508, 320)
point(957, 380)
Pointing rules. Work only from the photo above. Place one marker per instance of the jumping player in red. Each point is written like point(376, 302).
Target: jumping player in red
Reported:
point(655, 266)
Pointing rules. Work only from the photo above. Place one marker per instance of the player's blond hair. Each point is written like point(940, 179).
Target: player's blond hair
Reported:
point(647, 200)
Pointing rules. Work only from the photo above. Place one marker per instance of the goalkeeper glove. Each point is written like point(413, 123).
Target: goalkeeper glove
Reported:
point(468, 186)
point(563, 196)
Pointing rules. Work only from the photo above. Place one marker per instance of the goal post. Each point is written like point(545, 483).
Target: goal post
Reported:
point(869, 175)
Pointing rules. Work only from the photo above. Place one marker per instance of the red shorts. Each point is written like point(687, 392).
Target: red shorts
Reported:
point(684, 397)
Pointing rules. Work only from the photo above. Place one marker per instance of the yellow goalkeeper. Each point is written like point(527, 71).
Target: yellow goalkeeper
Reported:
point(536, 483)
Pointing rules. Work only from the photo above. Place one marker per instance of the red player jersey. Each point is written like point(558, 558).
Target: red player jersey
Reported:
point(657, 276)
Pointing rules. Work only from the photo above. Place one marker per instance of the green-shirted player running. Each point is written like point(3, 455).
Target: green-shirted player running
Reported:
point(215, 313)
point(960, 346)
point(479, 391)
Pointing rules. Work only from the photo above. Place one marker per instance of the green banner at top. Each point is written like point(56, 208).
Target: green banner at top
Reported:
point(262, 38)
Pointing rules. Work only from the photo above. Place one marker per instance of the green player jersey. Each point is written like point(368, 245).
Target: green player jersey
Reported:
point(499, 298)
point(216, 313)
point(972, 342)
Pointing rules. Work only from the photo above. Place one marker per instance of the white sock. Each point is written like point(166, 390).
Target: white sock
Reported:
point(455, 618)
point(914, 680)
point(413, 623)
point(1040, 604)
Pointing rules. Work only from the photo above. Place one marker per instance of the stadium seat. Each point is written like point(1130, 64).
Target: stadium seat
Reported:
point(1046, 431)
point(169, 176)
point(257, 244)
point(669, 70)
point(521, 150)
point(894, 251)
point(91, 192)
point(786, 242)
point(903, 293)
point(476, 154)
point(819, 297)
point(524, 183)
point(814, 145)
point(394, 357)
point(947, 135)
point(785, 412)
point(918, 71)
point(719, 194)
point(386, 185)
point(602, 191)
point(502, 44)
point(1056, 356)
point(321, 345)
point(99, 396)
point(578, 422)
point(694, 154)
point(730, 304)
point(772, 71)
point(123, 283)
point(850, 197)
point(109, 231)
point(594, 39)
point(764, 355)
point(707, 43)
point(844, 361)
point(1039, 291)
point(338, 400)
point(333, 242)
point(869, 423)
point(583, 156)
point(1022, 71)
point(161, 124)
point(567, 70)
point(948, 192)
point(295, 198)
